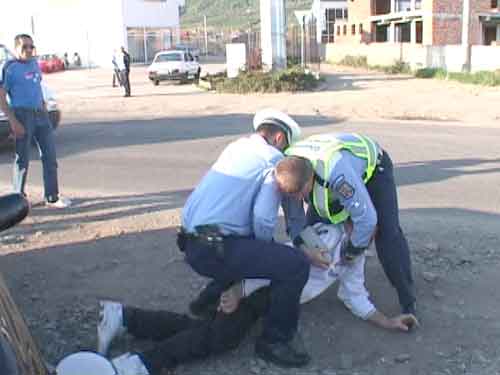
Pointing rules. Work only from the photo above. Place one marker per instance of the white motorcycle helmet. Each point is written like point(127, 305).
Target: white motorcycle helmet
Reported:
point(280, 119)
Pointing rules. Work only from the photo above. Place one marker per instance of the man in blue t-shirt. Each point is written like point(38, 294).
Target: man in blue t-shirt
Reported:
point(26, 110)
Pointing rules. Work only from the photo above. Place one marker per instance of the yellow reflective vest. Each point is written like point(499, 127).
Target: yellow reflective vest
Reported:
point(323, 150)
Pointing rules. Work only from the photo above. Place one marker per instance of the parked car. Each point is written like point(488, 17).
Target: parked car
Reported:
point(174, 65)
point(52, 107)
point(50, 63)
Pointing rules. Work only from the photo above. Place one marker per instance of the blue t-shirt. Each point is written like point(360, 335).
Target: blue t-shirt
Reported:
point(22, 82)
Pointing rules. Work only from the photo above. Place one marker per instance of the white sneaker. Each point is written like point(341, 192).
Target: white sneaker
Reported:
point(129, 364)
point(62, 202)
point(110, 325)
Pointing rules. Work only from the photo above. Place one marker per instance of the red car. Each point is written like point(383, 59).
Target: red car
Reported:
point(50, 63)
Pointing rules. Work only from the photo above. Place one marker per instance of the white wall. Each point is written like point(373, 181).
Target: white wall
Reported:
point(93, 28)
point(449, 57)
point(485, 58)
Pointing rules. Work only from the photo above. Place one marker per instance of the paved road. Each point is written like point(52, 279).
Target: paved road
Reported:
point(437, 165)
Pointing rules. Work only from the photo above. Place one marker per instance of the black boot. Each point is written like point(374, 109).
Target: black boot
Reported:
point(283, 354)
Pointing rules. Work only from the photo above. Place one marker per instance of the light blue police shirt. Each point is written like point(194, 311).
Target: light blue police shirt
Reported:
point(239, 193)
point(346, 181)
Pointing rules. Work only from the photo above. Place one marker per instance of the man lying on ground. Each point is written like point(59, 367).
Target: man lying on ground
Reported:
point(182, 339)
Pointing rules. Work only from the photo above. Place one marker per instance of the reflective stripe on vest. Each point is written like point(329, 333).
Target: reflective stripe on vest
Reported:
point(324, 152)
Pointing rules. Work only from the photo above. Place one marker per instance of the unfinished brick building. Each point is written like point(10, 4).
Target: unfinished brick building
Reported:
point(427, 22)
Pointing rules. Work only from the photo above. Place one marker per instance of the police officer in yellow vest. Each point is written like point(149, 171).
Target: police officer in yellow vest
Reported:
point(354, 179)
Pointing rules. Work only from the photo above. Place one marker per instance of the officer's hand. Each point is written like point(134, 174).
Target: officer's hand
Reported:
point(404, 322)
point(17, 128)
point(230, 299)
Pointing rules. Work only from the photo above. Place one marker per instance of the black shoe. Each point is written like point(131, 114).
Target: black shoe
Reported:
point(410, 309)
point(283, 354)
point(205, 305)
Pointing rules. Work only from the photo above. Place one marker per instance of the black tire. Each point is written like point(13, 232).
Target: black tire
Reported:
point(156, 83)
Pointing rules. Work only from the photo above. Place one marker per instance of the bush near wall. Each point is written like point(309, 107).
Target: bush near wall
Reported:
point(399, 67)
point(484, 78)
point(292, 79)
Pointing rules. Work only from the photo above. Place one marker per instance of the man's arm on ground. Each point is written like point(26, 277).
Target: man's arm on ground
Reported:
point(353, 293)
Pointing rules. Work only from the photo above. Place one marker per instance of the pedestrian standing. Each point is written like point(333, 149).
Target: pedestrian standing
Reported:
point(29, 120)
point(125, 75)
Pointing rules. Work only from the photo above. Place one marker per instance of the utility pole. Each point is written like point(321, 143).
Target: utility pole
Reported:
point(206, 34)
point(466, 46)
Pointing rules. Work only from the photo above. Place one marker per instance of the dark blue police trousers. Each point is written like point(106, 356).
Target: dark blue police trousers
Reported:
point(247, 258)
point(390, 242)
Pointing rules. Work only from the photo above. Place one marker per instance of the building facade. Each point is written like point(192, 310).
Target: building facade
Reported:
point(427, 22)
point(95, 29)
point(438, 33)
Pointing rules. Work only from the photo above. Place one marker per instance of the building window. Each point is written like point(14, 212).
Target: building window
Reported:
point(344, 30)
point(361, 28)
point(353, 29)
point(339, 14)
point(494, 4)
point(345, 13)
point(338, 30)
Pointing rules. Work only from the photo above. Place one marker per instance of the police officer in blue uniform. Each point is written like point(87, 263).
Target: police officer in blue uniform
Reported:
point(354, 180)
point(228, 224)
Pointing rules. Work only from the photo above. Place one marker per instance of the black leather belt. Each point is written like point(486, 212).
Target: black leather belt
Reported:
point(207, 235)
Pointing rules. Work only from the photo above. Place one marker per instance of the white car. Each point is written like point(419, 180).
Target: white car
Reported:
point(174, 65)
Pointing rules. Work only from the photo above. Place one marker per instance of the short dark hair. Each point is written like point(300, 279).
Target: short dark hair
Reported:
point(270, 130)
point(19, 37)
point(293, 173)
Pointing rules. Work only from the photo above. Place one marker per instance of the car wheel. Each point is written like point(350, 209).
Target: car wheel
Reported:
point(156, 83)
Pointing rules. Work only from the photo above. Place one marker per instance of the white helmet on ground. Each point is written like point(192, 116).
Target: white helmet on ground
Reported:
point(280, 119)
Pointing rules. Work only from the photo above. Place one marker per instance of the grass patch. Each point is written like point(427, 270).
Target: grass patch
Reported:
point(398, 67)
point(292, 79)
point(484, 78)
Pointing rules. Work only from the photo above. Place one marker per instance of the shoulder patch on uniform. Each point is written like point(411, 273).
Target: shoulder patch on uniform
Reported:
point(345, 189)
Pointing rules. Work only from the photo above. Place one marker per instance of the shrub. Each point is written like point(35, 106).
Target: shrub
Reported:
point(355, 61)
point(430, 73)
point(292, 79)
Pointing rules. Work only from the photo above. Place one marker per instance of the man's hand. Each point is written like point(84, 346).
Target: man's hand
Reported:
point(403, 322)
point(17, 128)
point(318, 258)
point(230, 299)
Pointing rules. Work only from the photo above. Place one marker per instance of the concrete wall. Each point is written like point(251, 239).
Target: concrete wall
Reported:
point(379, 53)
point(448, 57)
point(485, 58)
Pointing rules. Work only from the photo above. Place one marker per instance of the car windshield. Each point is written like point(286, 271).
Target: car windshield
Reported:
point(168, 57)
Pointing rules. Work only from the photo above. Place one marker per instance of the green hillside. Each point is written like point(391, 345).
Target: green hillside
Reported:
point(229, 13)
